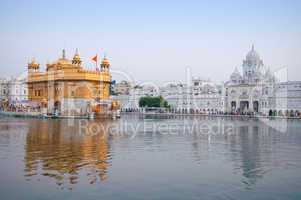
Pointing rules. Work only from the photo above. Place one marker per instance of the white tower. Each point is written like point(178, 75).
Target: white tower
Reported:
point(252, 66)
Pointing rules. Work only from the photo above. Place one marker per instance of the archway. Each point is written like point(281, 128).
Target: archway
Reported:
point(57, 107)
point(279, 113)
point(233, 105)
point(297, 113)
point(255, 106)
point(244, 106)
point(270, 113)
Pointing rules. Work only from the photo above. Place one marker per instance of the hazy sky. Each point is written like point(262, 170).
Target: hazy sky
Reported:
point(153, 40)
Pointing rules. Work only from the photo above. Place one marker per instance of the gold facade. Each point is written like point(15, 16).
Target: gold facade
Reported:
point(67, 79)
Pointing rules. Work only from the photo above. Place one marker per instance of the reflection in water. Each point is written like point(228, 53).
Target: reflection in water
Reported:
point(56, 150)
point(250, 144)
point(247, 143)
point(257, 147)
point(251, 163)
point(246, 147)
point(243, 143)
point(224, 159)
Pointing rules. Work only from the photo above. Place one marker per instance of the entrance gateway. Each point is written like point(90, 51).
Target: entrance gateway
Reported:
point(244, 106)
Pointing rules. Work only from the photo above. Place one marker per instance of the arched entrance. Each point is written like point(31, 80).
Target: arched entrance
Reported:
point(233, 105)
point(255, 106)
point(270, 113)
point(244, 106)
point(57, 107)
point(279, 113)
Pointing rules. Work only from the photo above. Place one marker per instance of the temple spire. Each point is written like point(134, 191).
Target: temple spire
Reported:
point(252, 47)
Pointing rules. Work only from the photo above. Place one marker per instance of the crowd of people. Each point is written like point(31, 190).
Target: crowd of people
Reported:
point(212, 112)
point(19, 108)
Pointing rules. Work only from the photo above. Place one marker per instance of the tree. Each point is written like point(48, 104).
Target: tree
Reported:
point(153, 102)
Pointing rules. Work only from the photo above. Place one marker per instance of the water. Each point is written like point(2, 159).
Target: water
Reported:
point(150, 158)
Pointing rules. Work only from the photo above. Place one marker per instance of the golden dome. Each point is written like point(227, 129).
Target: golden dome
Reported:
point(76, 57)
point(33, 64)
point(105, 61)
point(63, 61)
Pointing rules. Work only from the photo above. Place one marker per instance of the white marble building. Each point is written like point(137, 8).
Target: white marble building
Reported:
point(259, 90)
point(287, 99)
point(122, 88)
point(4, 89)
point(253, 90)
point(14, 90)
point(18, 91)
point(130, 100)
point(201, 96)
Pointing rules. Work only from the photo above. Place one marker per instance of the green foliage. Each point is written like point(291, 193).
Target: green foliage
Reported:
point(153, 102)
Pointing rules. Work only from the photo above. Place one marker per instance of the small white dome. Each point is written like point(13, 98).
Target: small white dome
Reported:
point(235, 76)
point(236, 71)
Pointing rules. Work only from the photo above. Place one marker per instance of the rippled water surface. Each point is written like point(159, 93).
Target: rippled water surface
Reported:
point(150, 158)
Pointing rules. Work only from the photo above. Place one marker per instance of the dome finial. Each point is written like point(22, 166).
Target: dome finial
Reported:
point(76, 59)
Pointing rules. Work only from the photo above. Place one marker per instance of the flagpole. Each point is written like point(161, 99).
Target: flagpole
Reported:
point(96, 62)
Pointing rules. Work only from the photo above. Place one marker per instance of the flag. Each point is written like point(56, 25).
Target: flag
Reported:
point(94, 58)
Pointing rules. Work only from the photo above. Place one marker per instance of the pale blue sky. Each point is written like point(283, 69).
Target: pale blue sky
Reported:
point(153, 40)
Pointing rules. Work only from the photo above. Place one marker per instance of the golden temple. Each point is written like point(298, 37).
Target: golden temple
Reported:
point(67, 88)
